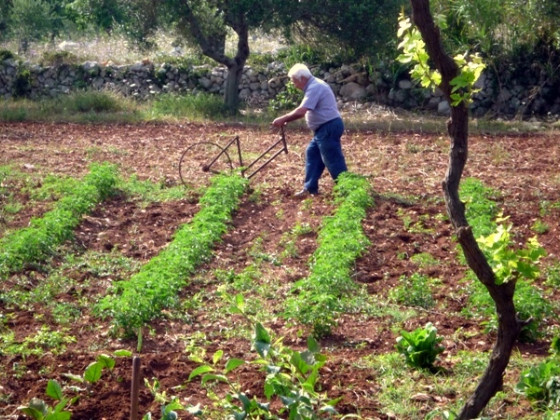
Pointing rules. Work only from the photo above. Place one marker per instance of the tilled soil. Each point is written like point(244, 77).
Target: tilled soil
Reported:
point(405, 171)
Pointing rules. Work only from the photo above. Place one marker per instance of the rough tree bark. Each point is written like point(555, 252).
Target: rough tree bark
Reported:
point(508, 324)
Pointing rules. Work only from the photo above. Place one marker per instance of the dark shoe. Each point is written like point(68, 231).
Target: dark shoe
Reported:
point(304, 194)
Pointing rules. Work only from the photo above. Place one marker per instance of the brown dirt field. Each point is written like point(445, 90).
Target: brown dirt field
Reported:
point(524, 168)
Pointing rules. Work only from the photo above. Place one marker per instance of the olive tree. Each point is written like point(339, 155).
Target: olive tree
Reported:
point(31, 20)
point(206, 24)
point(360, 28)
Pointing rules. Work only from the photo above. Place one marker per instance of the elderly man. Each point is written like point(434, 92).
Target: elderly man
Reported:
point(322, 116)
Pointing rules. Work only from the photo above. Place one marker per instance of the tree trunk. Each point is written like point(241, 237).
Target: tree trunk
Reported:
point(236, 66)
point(508, 325)
point(233, 80)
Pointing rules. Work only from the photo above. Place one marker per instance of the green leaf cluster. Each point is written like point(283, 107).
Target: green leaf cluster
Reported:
point(541, 383)
point(414, 53)
point(341, 240)
point(37, 409)
point(291, 376)
point(38, 241)
point(155, 287)
point(420, 347)
point(508, 263)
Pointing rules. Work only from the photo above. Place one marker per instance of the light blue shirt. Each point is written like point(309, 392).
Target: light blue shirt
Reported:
point(320, 102)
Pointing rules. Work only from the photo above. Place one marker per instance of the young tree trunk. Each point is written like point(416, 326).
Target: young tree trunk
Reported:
point(508, 325)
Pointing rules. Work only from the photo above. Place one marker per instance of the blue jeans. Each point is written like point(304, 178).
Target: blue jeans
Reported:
point(324, 151)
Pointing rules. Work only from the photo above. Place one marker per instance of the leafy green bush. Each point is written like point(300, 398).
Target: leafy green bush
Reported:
point(420, 347)
point(38, 241)
point(341, 240)
point(142, 298)
point(288, 98)
point(38, 410)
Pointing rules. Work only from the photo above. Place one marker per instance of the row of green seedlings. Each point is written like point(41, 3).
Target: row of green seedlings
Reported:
point(494, 236)
point(135, 302)
point(320, 298)
point(420, 348)
point(291, 376)
point(37, 242)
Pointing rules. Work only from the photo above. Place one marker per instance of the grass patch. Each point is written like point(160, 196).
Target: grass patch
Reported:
point(200, 106)
point(80, 107)
point(414, 290)
point(148, 191)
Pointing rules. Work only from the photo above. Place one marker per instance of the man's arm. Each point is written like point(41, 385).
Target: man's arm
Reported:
point(296, 114)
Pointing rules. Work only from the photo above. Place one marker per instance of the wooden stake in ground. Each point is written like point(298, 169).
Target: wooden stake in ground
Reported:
point(134, 388)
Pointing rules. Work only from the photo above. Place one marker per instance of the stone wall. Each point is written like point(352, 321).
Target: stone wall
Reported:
point(143, 80)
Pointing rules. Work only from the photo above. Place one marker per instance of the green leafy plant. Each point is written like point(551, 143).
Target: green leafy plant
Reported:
point(508, 263)
point(38, 410)
point(541, 383)
point(169, 405)
point(290, 97)
point(291, 376)
point(521, 265)
point(92, 373)
point(420, 347)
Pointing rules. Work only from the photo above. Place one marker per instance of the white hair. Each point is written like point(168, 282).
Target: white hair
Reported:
point(299, 71)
